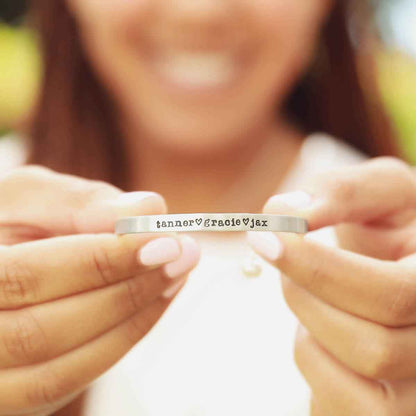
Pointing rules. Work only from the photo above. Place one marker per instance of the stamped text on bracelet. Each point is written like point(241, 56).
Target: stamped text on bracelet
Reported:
point(211, 222)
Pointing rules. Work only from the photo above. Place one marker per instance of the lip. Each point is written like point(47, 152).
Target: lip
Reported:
point(158, 54)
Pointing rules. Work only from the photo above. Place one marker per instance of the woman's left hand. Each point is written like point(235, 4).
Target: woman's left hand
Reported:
point(356, 345)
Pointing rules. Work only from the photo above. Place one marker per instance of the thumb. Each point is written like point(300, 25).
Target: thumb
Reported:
point(383, 189)
point(38, 203)
point(101, 214)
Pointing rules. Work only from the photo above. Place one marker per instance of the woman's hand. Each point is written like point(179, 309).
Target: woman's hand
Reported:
point(76, 299)
point(356, 345)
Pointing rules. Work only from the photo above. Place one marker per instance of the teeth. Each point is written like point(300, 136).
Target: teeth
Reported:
point(197, 69)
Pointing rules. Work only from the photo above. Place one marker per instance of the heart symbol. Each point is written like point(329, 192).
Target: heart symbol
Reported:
point(198, 221)
point(246, 220)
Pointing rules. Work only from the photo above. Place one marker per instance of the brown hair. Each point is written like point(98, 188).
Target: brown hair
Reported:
point(75, 131)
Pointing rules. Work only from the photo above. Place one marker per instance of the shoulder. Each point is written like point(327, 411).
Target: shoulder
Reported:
point(319, 153)
point(322, 151)
point(13, 152)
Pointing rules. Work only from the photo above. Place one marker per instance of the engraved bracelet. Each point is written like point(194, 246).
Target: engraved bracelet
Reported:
point(211, 222)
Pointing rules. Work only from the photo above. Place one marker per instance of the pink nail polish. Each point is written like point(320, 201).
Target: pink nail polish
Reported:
point(159, 251)
point(187, 261)
point(266, 243)
point(174, 289)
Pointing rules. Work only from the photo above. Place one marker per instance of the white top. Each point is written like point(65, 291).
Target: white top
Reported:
point(225, 345)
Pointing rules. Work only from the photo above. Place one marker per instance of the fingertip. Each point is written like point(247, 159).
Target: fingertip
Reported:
point(100, 215)
point(289, 202)
point(159, 251)
point(301, 204)
point(139, 203)
point(265, 243)
point(192, 246)
point(174, 289)
point(189, 258)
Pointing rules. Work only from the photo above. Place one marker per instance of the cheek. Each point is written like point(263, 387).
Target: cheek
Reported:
point(289, 12)
point(290, 29)
point(290, 23)
point(105, 12)
point(103, 27)
point(283, 30)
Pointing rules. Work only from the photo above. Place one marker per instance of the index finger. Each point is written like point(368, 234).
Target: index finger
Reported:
point(48, 269)
point(378, 290)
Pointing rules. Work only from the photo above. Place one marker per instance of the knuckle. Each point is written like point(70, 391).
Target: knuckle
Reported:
point(342, 189)
point(140, 324)
point(385, 401)
point(18, 285)
point(316, 278)
point(103, 265)
point(25, 340)
point(401, 305)
point(404, 247)
point(46, 387)
point(134, 330)
point(133, 296)
point(84, 192)
point(382, 356)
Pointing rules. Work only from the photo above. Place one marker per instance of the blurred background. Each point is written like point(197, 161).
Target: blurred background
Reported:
point(394, 22)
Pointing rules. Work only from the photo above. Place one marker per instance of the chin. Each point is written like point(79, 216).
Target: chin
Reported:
point(202, 142)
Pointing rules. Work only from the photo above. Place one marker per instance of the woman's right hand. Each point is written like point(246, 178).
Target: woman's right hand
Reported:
point(74, 297)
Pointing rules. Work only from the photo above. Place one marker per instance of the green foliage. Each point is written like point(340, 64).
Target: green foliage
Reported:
point(397, 77)
point(19, 74)
point(20, 68)
point(12, 11)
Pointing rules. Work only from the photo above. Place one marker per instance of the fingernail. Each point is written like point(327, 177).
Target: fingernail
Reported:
point(159, 251)
point(187, 261)
point(265, 243)
point(174, 289)
point(134, 197)
point(138, 203)
point(295, 200)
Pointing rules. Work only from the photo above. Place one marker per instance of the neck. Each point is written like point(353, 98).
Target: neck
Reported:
point(237, 180)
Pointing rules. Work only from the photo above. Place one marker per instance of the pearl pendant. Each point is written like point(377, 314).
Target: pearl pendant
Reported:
point(251, 266)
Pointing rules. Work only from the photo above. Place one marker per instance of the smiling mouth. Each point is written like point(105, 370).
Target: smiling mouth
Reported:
point(196, 69)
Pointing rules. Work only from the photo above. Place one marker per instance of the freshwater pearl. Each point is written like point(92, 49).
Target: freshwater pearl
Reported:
point(251, 267)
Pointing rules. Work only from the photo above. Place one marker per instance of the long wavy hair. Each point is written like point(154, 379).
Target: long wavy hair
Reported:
point(74, 129)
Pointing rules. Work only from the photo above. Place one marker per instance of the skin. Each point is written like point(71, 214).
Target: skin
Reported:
point(172, 131)
point(64, 268)
point(355, 306)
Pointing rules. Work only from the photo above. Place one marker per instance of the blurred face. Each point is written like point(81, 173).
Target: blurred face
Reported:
point(198, 75)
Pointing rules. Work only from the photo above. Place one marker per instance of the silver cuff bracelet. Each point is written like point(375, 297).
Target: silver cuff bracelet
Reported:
point(211, 222)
